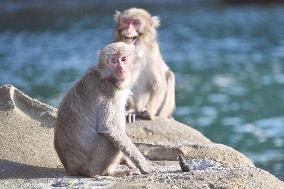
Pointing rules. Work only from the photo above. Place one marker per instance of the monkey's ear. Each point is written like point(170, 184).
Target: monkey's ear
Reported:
point(99, 53)
point(116, 16)
point(155, 21)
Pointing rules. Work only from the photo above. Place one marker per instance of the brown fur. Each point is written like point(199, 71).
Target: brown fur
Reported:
point(154, 93)
point(90, 136)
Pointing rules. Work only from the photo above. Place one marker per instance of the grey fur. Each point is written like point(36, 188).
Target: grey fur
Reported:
point(90, 136)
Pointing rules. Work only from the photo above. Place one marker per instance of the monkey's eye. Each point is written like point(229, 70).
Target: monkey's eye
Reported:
point(126, 22)
point(113, 60)
point(123, 59)
point(136, 22)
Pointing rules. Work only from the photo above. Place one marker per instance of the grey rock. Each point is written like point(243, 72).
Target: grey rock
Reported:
point(165, 139)
point(28, 159)
point(164, 132)
point(13, 99)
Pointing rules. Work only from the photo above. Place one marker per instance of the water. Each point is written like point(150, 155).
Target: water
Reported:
point(228, 60)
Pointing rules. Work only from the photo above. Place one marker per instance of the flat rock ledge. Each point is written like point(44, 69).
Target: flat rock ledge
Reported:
point(28, 158)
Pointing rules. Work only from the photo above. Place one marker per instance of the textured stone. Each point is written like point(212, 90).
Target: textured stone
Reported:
point(13, 99)
point(28, 159)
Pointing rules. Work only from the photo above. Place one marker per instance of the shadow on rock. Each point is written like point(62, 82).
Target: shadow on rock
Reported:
point(14, 170)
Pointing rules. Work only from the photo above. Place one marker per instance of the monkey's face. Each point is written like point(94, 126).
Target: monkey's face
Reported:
point(130, 29)
point(136, 26)
point(119, 65)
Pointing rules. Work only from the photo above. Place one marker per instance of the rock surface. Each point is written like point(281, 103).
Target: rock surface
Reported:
point(28, 159)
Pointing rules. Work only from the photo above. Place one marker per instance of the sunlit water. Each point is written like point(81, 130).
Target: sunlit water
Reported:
point(229, 65)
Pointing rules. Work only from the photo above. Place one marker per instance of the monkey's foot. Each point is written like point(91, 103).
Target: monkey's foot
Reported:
point(146, 115)
point(134, 171)
point(130, 117)
point(122, 170)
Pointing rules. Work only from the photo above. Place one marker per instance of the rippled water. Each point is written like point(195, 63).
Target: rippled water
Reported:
point(228, 60)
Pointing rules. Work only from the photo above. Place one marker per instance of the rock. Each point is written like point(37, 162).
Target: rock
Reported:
point(165, 139)
point(26, 135)
point(227, 178)
point(28, 159)
point(13, 99)
point(164, 132)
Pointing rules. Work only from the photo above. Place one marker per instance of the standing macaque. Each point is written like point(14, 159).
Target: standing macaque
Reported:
point(90, 137)
point(154, 93)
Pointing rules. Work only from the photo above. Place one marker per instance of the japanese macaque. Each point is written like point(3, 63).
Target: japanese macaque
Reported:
point(154, 93)
point(90, 137)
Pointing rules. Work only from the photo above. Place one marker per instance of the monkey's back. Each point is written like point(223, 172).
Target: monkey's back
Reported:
point(80, 148)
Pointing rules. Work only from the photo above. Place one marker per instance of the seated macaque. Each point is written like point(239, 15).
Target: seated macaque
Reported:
point(90, 137)
point(154, 93)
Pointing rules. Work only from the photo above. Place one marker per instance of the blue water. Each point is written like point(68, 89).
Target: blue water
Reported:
point(228, 61)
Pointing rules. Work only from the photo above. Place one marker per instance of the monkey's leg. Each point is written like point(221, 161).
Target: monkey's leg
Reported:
point(118, 170)
point(168, 104)
point(157, 96)
point(130, 117)
point(128, 168)
point(126, 161)
point(130, 113)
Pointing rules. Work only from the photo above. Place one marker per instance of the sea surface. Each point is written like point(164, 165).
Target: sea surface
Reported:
point(228, 61)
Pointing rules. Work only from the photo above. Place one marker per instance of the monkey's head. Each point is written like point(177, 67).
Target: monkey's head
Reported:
point(135, 25)
point(119, 63)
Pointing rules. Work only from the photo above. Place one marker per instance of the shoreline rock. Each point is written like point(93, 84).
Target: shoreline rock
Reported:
point(13, 99)
point(28, 159)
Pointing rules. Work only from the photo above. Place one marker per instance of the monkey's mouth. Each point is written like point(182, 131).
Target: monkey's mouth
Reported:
point(120, 75)
point(130, 39)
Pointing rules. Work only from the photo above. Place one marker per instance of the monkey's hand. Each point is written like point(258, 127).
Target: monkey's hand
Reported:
point(135, 171)
point(147, 167)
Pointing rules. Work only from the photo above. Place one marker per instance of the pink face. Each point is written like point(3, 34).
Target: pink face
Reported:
point(119, 65)
point(130, 29)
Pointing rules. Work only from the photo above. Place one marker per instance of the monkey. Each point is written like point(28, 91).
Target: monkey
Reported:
point(154, 93)
point(90, 137)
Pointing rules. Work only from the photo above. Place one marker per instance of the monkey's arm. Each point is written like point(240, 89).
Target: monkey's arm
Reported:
point(122, 141)
point(111, 125)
